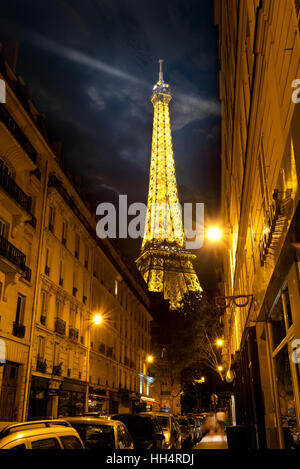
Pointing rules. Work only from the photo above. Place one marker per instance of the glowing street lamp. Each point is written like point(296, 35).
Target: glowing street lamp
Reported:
point(220, 368)
point(97, 319)
point(214, 234)
point(219, 342)
point(149, 358)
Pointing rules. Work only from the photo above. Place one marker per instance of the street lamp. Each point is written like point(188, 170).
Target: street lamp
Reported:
point(220, 368)
point(219, 342)
point(97, 319)
point(149, 358)
point(214, 233)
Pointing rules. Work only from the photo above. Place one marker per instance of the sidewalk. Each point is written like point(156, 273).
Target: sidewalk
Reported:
point(215, 441)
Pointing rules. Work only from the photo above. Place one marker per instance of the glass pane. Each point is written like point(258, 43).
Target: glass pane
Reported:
point(286, 396)
point(71, 442)
point(278, 324)
point(96, 436)
point(47, 443)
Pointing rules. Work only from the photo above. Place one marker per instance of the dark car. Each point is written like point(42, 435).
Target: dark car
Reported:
point(186, 431)
point(101, 433)
point(144, 429)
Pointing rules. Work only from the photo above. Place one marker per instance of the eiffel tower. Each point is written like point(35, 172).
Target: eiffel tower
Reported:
point(164, 263)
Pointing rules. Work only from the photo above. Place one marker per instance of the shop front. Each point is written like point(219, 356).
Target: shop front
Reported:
point(97, 400)
point(39, 402)
point(72, 398)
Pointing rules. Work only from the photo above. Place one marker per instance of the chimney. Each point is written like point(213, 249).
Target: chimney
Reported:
point(11, 50)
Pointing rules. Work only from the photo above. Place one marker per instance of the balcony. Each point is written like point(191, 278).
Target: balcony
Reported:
point(60, 326)
point(41, 364)
point(12, 188)
point(73, 333)
point(11, 126)
point(57, 370)
point(16, 259)
point(18, 330)
point(102, 348)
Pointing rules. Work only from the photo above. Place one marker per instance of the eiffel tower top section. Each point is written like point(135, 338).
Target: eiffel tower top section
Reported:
point(161, 90)
point(164, 220)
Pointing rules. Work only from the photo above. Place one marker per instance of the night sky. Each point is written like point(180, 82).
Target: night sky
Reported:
point(92, 65)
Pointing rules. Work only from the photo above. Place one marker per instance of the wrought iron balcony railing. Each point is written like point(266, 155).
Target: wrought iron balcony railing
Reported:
point(60, 326)
point(102, 347)
point(18, 330)
point(15, 130)
point(12, 254)
point(57, 370)
point(41, 364)
point(73, 333)
point(12, 188)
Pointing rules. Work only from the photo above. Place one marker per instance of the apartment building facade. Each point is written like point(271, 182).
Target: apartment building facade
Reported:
point(55, 275)
point(259, 50)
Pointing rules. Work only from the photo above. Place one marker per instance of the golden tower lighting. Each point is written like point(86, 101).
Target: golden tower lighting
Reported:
point(163, 262)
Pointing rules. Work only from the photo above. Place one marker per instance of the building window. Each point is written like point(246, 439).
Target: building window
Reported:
point(64, 233)
point(41, 346)
point(4, 229)
point(20, 309)
point(47, 262)
point(77, 246)
point(51, 218)
point(86, 256)
point(44, 307)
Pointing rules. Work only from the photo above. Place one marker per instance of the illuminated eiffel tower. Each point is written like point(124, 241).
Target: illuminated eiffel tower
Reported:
point(164, 263)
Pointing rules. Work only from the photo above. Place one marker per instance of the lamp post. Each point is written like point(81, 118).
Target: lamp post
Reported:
point(96, 320)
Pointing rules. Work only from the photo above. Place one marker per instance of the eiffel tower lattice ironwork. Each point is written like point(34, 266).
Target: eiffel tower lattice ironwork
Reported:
point(164, 263)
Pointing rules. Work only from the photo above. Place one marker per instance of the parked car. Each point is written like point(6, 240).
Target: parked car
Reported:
point(39, 434)
point(102, 433)
point(145, 430)
point(186, 431)
point(203, 419)
point(196, 425)
point(170, 429)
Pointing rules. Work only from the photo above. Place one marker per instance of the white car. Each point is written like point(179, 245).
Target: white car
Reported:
point(39, 434)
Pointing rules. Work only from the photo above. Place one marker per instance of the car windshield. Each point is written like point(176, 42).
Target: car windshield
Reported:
point(139, 427)
point(96, 436)
point(164, 422)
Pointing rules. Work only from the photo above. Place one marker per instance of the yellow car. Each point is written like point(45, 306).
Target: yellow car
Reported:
point(39, 434)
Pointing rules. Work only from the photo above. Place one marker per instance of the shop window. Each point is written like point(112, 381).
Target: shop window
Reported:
point(286, 396)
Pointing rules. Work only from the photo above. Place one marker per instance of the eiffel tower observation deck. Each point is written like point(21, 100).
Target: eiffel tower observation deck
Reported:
point(164, 263)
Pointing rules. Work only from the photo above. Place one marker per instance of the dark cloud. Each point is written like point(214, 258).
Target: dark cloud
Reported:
point(92, 66)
